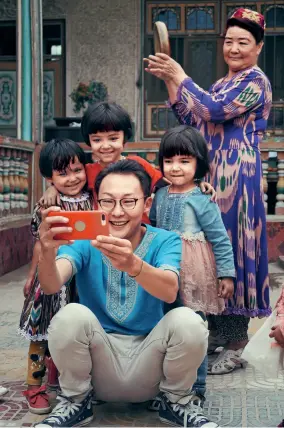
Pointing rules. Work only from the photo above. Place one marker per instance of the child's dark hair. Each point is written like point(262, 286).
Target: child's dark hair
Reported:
point(185, 140)
point(126, 167)
point(105, 117)
point(56, 155)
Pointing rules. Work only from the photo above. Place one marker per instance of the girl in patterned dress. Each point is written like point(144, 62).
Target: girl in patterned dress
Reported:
point(232, 116)
point(206, 276)
point(62, 163)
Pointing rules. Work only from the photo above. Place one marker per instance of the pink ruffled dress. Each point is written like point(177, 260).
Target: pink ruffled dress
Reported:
point(206, 248)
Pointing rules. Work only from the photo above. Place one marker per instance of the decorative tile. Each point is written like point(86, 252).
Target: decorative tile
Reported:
point(8, 97)
point(13, 406)
point(48, 97)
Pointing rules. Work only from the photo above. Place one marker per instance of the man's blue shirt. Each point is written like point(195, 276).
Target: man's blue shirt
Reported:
point(118, 301)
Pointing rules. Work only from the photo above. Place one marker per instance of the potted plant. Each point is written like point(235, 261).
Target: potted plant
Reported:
point(86, 94)
point(83, 95)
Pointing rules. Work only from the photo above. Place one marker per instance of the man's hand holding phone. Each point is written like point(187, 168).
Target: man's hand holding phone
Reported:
point(52, 226)
point(120, 253)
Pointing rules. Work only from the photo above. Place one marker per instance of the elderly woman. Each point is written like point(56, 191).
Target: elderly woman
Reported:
point(232, 116)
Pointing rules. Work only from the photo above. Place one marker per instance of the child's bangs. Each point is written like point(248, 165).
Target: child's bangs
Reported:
point(61, 160)
point(177, 145)
point(106, 122)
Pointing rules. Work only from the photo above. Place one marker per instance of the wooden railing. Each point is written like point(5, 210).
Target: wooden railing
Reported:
point(18, 178)
point(272, 154)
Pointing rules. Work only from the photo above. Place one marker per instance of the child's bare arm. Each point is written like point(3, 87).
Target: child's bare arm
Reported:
point(50, 198)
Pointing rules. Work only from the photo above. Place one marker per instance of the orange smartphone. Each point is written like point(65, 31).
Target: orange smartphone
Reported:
point(85, 224)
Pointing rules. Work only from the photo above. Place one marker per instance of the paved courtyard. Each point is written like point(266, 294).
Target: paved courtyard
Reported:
point(243, 398)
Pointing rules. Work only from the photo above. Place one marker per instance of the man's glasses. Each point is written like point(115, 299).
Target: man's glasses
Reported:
point(125, 203)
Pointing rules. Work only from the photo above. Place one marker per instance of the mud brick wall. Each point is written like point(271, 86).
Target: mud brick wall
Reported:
point(16, 246)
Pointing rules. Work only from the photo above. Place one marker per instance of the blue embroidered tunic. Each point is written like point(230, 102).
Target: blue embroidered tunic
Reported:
point(118, 301)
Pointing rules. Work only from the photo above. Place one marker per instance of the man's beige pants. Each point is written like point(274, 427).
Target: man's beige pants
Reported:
point(127, 368)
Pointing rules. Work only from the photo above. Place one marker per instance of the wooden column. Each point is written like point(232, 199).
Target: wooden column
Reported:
point(26, 71)
point(29, 70)
point(37, 70)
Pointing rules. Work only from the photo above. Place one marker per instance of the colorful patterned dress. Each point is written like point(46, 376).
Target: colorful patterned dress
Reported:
point(39, 308)
point(232, 117)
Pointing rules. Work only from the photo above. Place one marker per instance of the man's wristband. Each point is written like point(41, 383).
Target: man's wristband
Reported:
point(134, 276)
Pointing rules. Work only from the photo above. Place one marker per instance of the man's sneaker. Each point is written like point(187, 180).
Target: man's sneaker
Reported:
point(154, 405)
point(67, 413)
point(38, 400)
point(188, 415)
point(197, 399)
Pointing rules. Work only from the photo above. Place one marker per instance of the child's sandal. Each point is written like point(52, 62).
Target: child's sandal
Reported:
point(227, 361)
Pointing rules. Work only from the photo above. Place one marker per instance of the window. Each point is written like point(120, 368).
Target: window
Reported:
point(52, 39)
point(193, 38)
point(274, 15)
point(53, 66)
point(7, 39)
point(195, 29)
point(230, 8)
point(170, 16)
point(200, 18)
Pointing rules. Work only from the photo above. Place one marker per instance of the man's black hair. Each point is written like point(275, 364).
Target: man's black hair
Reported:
point(185, 140)
point(126, 167)
point(57, 154)
point(105, 117)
